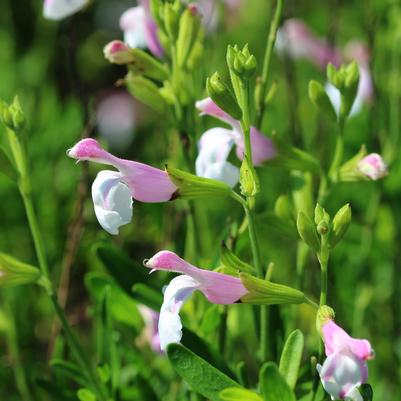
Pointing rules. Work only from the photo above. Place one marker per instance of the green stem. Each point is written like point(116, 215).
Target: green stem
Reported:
point(338, 154)
point(266, 63)
point(323, 260)
point(25, 190)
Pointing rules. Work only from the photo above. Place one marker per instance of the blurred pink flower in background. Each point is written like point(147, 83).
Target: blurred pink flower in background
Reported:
point(140, 30)
point(297, 41)
point(115, 118)
point(151, 332)
point(345, 367)
point(373, 166)
point(216, 143)
point(59, 9)
point(217, 287)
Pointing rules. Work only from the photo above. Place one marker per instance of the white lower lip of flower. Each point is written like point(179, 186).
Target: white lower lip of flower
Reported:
point(341, 374)
point(223, 171)
point(175, 294)
point(112, 200)
point(59, 9)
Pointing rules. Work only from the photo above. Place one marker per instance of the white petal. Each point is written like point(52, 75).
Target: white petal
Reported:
point(132, 22)
point(58, 9)
point(335, 98)
point(112, 200)
point(214, 147)
point(223, 171)
point(175, 294)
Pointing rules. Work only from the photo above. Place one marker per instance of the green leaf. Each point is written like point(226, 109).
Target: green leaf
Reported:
point(229, 259)
point(85, 394)
point(69, 370)
point(291, 356)
point(147, 296)
point(202, 377)
point(366, 392)
point(239, 394)
point(123, 307)
point(124, 271)
point(273, 385)
point(7, 166)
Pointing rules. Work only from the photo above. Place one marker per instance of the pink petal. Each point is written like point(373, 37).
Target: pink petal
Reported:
point(336, 339)
point(217, 287)
point(147, 184)
point(262, 147)
point(208, 107)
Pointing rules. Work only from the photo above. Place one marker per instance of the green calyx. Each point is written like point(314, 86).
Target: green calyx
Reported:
point(263, 292)
point(190, 186)
point(14, 273)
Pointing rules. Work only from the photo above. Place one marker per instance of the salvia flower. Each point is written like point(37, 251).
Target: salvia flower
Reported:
point(373, 167)
point(216, 144)
point(140, 30)
point(112, 190)
point(59, 9)
point(345, 367)
point(217, 287)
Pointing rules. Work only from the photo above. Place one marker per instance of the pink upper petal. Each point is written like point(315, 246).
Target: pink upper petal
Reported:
point(147, 184)
point(207, 106)
point(218, 288)
point(336, 340)
point(262, 147)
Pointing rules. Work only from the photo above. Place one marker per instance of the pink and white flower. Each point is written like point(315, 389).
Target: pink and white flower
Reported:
point(59, 9)
point(345, 367)
point(112, 204)
point(216, 144)
point(373, 167)
point(140, 30)
point(297, 41)
point(217, 287)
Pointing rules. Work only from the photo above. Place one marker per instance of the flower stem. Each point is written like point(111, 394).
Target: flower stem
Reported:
point(338, 154)
point(24, 186)
point(266, 63)
point(323, 260)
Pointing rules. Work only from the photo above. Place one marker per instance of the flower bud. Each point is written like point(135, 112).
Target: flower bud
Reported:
point(146, 91)
point(222, 96)
point(373, 167)
point(187, 34)
point(341, 222)
point(307, 231)
point(334, 76)
point(320, 214)
point(263, 292)
point(171, 18)
point(319, 98)
point(193, 187)
point(248, 178)
point(12, 115)
point(13, 272)
point(117, 52)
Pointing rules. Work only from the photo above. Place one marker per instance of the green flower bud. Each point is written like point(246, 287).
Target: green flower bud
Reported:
point(250, 65)
point(222, 96)
point(263, 292)
point(193, 187)
point(319, 98)
point(248, 178)
point(341, 222)
point(144, 64)
point(334, 76)
point(14, 273)
point(171, 19)
point(307, 232)
point(323, 316)
point(146, 91)
point(12, 115)
point(189, 26)
point(283, 208)
point(322, 228)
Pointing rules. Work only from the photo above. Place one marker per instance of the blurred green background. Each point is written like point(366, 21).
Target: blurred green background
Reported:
point(59, 72)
